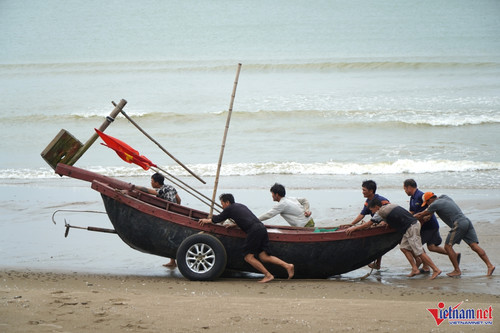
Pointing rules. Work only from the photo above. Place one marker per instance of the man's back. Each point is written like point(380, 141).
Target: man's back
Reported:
point(291, 209)
point(396, 216)
point(241, 215)
point(447, 210)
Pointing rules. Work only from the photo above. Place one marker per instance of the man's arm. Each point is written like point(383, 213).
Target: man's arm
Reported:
point(305, 204)
point(358, 227)
point(277, 209)
point(204, 221)
point(147, 190)
point(357, 219)
point(423, 214)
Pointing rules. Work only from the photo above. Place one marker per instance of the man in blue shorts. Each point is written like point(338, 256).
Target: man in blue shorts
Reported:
point(369, 189)
point(461, 228)
point(257, 241)
point(429, 231)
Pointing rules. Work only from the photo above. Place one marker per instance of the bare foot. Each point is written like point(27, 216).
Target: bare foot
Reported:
point(434, 275)
point(414, 272)
point(374, 265)
point(267, 278)
point(490, 270)
point(171, 264)
point(424, 271)
point(291, 271)
point(455, 273)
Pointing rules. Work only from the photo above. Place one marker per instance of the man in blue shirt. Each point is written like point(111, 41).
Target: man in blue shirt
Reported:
point(369, 187)
point(429, 232)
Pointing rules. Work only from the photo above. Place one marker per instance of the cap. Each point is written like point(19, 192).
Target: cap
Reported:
point(426, 197)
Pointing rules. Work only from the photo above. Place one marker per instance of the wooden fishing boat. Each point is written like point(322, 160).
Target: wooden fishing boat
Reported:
point(155, 226)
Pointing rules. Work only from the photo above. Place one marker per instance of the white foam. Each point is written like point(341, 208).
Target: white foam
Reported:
point(400, 166)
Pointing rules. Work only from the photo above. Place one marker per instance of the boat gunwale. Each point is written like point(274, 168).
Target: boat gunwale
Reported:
point(132, 197)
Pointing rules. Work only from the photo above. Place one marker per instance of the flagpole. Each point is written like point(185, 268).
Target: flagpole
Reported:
point(160, 146)
point(104, 125)
point(228, 120)
point(130, 155)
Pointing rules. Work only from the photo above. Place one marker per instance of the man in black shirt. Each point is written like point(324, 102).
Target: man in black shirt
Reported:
point(257, 241)
point(399, 218)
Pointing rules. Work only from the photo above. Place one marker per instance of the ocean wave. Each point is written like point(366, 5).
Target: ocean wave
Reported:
point(316, 65)
point(402, 166)
point(95, 115)
point(330, 118)
point(390, 118)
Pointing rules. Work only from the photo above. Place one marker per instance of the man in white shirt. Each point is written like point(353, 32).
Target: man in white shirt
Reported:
point(294, 210)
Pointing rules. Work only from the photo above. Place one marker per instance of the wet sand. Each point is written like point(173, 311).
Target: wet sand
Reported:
point(94, 282)
point(60, 302)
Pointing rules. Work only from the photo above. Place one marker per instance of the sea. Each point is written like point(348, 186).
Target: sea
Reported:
point(330, 93)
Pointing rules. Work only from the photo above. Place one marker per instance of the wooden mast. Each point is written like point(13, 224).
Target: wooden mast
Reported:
point(228, 120)
point(105, 124)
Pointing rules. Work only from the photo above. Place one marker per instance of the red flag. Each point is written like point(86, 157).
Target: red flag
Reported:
point(126, 153)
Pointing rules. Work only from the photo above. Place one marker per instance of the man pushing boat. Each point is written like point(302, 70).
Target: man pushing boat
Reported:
point(402, 220)
point(461, 229)
point(257, 240)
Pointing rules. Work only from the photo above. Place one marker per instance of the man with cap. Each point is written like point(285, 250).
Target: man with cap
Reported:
point(461, 228)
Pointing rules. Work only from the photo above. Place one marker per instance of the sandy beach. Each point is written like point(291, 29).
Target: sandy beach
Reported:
point(94, 282)
point(61, 302)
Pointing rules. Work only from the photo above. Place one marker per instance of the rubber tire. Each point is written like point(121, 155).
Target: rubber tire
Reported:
point(209, 241)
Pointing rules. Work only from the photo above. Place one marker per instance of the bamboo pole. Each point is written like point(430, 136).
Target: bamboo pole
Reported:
point(160, 146)
point(228, 120)
point(105, 124)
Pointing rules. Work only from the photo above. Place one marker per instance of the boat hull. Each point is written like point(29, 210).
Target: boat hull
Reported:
point(158, 227)
point(312, 259)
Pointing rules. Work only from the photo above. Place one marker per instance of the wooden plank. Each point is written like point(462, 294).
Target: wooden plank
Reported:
point(61, 149)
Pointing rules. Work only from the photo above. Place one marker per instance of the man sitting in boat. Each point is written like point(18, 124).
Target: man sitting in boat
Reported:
point(164, 191)
point(402, 220)
point(257, 240)
point(294, 210)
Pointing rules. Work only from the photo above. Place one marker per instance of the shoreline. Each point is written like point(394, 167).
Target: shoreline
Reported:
point(36, 301)
point(95, 282)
